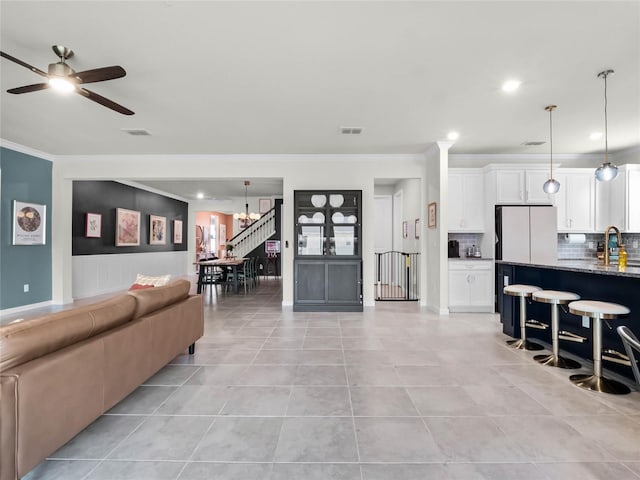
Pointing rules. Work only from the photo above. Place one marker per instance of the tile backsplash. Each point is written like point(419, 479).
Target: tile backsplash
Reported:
point(467, 240)
point(587, 249)
point(566, 250)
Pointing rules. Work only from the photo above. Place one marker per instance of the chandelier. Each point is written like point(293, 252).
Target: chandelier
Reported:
point(245, 217)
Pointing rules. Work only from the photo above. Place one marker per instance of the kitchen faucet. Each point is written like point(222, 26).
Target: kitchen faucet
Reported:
point(606, 242)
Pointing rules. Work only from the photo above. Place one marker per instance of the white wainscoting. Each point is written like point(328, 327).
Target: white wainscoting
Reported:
point(99, 274)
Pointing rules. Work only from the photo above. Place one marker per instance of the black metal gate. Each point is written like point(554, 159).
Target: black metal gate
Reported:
point(397, 276)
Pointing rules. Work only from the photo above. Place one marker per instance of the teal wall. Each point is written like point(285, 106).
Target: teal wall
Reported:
point(27, 179)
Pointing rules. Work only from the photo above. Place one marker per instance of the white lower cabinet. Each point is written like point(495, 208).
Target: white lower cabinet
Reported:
point(470, 286)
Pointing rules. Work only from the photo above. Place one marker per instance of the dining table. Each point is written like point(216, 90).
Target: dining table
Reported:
point(229, 263)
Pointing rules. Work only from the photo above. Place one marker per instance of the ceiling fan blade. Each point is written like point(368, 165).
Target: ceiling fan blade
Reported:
point(103, 101)
point(29, 88)
point(25, 65)
point(100, 74)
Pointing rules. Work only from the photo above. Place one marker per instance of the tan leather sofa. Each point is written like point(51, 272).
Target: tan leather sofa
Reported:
point(60, 372)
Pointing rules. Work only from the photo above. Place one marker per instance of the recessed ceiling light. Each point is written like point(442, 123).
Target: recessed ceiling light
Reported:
point(200, 195)
point(453, 135)
point(511, 85)
point(595, 136)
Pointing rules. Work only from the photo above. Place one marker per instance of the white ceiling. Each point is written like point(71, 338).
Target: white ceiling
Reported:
point(281, 77)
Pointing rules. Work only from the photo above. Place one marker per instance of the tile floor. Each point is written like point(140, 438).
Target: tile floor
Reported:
point(396, 393)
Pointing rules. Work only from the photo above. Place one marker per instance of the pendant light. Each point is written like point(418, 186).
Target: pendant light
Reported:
point(551, 185)
point(607, 171)
point(245, 216)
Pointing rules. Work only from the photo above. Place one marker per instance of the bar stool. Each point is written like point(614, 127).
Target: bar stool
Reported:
point(598, 311)
point(524, 292)
point(555, 298)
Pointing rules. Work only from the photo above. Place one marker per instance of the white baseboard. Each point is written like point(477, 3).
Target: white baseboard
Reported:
point(23, 308)
point(439, 311)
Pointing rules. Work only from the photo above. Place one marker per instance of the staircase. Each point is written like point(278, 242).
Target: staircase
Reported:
point(254, 235)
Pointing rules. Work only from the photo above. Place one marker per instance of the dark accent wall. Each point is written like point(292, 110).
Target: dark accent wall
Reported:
point(260, 252)
point(104, 197)
point(28, 179)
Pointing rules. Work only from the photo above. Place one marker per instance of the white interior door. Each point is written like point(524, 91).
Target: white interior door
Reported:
point(383, 223)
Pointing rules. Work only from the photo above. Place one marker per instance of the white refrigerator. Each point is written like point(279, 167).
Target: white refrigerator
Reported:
point(527, 234)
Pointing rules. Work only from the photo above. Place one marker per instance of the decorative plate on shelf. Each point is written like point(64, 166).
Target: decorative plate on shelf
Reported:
point(303, 219)
point(337, 217)
point(318, 217)
point(318, 200)
point(336, 200)
point(351, 219)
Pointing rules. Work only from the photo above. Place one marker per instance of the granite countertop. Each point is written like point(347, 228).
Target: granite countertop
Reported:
point(588, 266)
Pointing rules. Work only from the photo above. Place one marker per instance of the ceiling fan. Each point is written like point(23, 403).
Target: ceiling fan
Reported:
point(62, 77)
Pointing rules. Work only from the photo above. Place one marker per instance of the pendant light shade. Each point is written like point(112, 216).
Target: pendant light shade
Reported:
point(607, 171)
point(551, 185)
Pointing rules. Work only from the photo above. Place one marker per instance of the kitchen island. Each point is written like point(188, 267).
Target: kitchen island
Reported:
point(587, 278)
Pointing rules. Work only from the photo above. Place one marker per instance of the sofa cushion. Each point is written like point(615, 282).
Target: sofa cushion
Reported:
point(158, 281)
point(152, 299)
point(30, 339)
point(137, 286)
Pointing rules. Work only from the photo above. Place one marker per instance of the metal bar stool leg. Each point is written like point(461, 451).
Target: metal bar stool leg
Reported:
point(598, 311)
point(555, 360)
point(523, 343)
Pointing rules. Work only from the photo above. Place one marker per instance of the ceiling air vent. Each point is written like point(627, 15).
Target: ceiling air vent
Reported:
point(137, 132)
point(533, 144)
point(351, 130)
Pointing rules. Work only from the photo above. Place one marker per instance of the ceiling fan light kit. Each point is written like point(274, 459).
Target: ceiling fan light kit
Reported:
point(62, 78)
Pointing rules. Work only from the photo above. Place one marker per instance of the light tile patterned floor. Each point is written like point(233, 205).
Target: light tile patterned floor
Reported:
point(393, 393)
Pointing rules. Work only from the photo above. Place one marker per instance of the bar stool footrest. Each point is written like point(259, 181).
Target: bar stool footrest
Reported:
point(572, 337)
point(616, 357)
point(531, 323)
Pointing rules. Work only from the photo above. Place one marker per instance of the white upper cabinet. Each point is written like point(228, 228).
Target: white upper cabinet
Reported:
point(466, 201)
point(521, 187)
point(576, 200)
point(534, 180)
point(618, 201)
point(633, 201)
point(510, 186)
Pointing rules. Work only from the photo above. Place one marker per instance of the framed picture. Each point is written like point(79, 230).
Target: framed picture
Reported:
point(417, 224)
point(431, 215)
point(177, 231)
point(405, 229)
point(29, 223)
point(157, 230)
point(264, 205)
point(93, 225)
point(223, 234)
point(127, 228)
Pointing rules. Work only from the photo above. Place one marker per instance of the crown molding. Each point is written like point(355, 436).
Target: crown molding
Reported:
point(16, 147)
point(248, 158)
